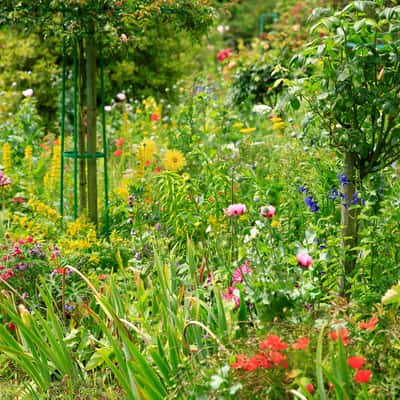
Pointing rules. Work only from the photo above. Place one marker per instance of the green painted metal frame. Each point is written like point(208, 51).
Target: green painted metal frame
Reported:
point(74, 154)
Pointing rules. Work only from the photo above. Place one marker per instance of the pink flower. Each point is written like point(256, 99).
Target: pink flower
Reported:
point(304, 260)
point(222, 54)
point(4, 180)
point(232, 294)
point(27, 93)
point(237, 276)
point(124, 38)
point(267, 211)
point(121, 97)
point(234, 210)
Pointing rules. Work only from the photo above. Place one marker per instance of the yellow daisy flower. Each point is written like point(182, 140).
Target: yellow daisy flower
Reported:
point(174, 160)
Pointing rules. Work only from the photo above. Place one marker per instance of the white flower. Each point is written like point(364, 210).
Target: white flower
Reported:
point(124, 38)
point(261, 109)
point(107, 108)
point(27, 92)
point(121, 96)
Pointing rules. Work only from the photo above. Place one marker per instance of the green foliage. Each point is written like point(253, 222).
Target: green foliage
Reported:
point(353, 92)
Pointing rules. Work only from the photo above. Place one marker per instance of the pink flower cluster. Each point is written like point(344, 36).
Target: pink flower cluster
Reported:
point(267, 211)
point(4, 180)
point(304, 260)
point(233, 293)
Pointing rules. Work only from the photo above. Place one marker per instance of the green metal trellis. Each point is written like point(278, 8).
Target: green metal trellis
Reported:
point(75, 154)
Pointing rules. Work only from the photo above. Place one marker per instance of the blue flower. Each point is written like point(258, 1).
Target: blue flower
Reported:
point(302, 189)
point(333, 194)
point(343, 179)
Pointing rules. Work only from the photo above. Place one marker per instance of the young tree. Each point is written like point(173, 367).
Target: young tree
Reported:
point(353, 92)
point(86, 23)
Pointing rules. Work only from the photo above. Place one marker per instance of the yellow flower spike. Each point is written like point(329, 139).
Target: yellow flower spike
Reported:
point(6, 158)
point(28, 157)
point(174, 160)
point(247, 130)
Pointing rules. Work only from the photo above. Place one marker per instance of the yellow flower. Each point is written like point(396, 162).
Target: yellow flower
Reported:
point(146, 150)
point(238, 124)
point(6, 159)
point(29, 157)
point(277, 126)
point(247, 130)
point(174, 160)
point(275, 223)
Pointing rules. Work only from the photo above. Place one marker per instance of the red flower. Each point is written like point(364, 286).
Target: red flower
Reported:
point(277, 358)
point(363, 376)
point(343, 333)
point(301, 344)
point(119, 142)
point(310, 388)
point(154, 117)
point(241, 359)
point(262, 361)
point(356, 362)
point(29, 239)
point(370, 325)
point(102, 277)
point(273, 342)
point(224, 54)
point(11, 326)
point(118, 153)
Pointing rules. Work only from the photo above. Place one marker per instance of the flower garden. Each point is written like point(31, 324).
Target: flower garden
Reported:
point(247, 240)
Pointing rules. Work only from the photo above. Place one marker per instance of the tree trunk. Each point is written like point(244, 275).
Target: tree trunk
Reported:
point(348, 223)
point(91, 123)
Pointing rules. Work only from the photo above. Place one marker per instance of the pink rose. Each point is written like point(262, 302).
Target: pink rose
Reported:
point(304, 260)
point(234, 210)
point(267, 211)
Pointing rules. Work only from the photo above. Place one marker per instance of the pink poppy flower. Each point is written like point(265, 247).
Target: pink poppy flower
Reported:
point(304, 260)
point(235, 210)
point(267, 211)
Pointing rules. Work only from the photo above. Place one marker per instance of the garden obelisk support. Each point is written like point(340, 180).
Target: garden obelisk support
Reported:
point(91, 123)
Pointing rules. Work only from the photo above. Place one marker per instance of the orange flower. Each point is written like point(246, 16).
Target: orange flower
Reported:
point(363, 376)
point(356, 362)
point(154, 117)
point(370, 325)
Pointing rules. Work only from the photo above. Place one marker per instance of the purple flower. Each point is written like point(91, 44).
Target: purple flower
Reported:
point(333, 194)
point(302, 189)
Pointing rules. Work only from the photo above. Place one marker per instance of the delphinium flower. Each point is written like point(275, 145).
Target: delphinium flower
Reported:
point(311, 203)
point(343, 179)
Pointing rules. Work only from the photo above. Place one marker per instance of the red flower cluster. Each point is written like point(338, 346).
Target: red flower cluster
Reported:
point(370, 325)
point(268, 357)
point(343, 333)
